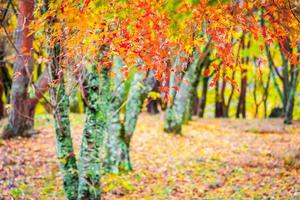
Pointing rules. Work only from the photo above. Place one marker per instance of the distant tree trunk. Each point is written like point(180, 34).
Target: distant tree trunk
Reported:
point(241, 108)
point(187, 116)
point(175, 114)
point(224, 110)
point(266, 95)
point(292, 90)
point(97, 100)
point(1, 101)
point(21, 116)
point(196, 106)
point(272, 66)
point(285, 72)
point(6, 82)
point(218, 105)
point(2, 65)
point(194, 99)
point(291, 98)
point(221, 106)
point(65, 151)
point(256, 102)
point(202, 102)
point(152, 106)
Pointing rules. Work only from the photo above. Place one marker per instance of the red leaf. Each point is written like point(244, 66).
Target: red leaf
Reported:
point(206, 72)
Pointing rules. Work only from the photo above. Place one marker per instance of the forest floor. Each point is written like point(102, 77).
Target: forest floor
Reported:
point(213, 159)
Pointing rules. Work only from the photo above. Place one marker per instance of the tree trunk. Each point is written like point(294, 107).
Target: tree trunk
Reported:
point(133, 108)
point(241, 108)
point(202, 102)
point(152, 106)
point(288, 116)
point(97, 100)
point(112, 162)
point(65, 151)
point(266, 95)
point(136, 97)
point(175, 115)
point(218, 105)
point(292, 90)
point(2, 65)
point(21, 116)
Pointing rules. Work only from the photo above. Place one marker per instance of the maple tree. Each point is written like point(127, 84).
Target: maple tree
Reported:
point(175, 42)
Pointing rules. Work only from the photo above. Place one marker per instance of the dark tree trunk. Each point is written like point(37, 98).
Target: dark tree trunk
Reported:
point(291, 95)
point(195, 106)
point(21, 116)
point(152, 106)
point(266, 95)
point(1, 101)
point(202, 102)
point(2, 65)
point(221, 107)
point(194, 99)
point(218, 104)
point(6, 82)
point(241, 108)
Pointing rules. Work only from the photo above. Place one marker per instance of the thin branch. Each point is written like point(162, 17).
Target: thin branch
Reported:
point(291, 9)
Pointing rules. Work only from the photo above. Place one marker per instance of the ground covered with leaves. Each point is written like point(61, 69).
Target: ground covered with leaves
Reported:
point(213, 159)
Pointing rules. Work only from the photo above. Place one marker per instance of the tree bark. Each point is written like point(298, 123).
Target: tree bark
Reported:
point(202, 102)
point(288, 117)
point(21, 116)
point(175, 115)
point(136, 97)
point(2, 65)
point(152, 106)
point(241, 108)
point(292, 91)
point(134, 106)
point(65, 151)
point(97, 101)
point(115, 144)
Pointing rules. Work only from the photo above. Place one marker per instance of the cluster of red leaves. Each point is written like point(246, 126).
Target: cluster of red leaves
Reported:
point(140, 29)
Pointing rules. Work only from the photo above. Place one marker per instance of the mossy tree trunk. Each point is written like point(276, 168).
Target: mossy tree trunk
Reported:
point(136, 96)
point(114, 143)
point(65, 151)
point(97, 101)
point(173, 83)
point(175, 114)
